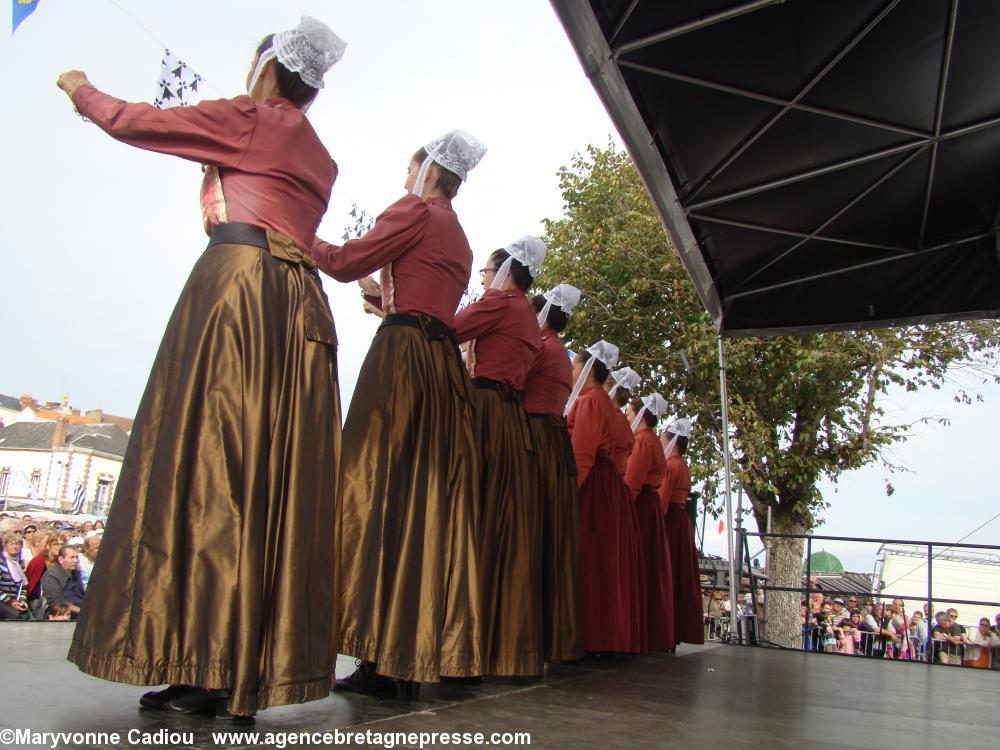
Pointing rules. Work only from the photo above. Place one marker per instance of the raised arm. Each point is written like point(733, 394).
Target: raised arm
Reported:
point(214, 132)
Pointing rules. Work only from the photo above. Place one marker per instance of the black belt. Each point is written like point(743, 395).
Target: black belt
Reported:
point(433, 328)
point(239, 234)
point(506, 390)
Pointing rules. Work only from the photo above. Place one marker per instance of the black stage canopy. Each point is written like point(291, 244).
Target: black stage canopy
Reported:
point(820, 164)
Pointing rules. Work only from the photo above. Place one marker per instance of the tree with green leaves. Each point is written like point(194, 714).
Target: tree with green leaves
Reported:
point(801, 408)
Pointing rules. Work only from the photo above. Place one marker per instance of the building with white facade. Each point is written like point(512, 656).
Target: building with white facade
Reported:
point(60, 466)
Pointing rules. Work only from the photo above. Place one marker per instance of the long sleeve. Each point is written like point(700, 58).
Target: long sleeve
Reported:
point(36, 569)
point(585, 434)
point(480, 317)
point(53, 585)
point(670, 480)
point(396, 230)
point(216, 132)
point(639, 463)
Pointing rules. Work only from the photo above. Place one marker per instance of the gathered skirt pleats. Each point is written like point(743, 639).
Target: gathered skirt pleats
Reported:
point(216, 568)
point(408, 575)
point(561, 605)
point(688, 607)
point(510, 538)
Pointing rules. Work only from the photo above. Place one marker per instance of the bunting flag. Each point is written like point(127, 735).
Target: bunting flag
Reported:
point(722, 525)
point(22, 9)
point(178, 84)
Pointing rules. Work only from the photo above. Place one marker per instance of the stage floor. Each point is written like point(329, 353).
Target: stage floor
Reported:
point(703, 697)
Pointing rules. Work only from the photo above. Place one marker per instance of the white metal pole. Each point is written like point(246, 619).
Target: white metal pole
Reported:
point(733, 583)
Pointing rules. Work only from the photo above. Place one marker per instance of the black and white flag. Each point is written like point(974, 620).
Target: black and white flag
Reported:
point(78, 499)
point(179, 85)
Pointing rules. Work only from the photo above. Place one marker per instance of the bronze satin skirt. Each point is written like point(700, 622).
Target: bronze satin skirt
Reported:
point(562, 615)
point(689, 620)
point(216, 568)
point(408, 574)
point(510, 539)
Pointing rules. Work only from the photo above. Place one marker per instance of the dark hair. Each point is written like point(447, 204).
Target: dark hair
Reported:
point(647, 416)
point(518, 272)
point(448, 182)
point(59, 609)
point(290, 85)
point(556, 319)
point(682, 443)
point(600, 370)
point(622, 396)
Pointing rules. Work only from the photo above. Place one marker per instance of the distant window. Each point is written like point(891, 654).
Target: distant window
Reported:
point(4, 481)
point(103, 499)
point(36, 479)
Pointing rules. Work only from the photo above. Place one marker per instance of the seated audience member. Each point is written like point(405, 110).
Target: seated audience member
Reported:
point(979, 644)
point(91, 546)
point(28, 548)
point(61, 583)
point(50, 543)
point(946, 637)
point(60, 611)
point(13, 581)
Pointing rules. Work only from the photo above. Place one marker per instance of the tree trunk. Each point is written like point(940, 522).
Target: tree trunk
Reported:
point(784, 568)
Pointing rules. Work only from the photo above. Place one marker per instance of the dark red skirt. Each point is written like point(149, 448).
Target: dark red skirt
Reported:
point(658, 593)
point(688, 618)
point(608, 562)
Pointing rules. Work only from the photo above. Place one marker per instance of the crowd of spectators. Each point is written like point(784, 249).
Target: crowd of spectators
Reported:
point(46, 566)
point(859, 625)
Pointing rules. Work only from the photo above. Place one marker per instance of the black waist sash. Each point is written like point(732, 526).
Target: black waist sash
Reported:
point(277, 244)
point(506, 390)
point(433, 328)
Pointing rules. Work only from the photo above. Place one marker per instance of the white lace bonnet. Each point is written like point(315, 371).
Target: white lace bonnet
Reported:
point(310, 49)
point(528, 251)
point(563, 296)
point(604, 352)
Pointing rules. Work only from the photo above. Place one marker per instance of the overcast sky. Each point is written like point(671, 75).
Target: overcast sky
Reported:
point(99, 237)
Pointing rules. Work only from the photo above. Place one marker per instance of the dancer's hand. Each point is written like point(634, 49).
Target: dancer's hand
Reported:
point(71, 80)
point(370, 287)
point(372, 309)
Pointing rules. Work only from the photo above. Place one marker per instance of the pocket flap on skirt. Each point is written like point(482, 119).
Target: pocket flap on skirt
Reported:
point(318, 322)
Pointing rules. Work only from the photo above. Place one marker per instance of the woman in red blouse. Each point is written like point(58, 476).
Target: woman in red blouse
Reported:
point(406, 564)
point(608, 547)
point(646, 468)
point(504, 340)
point(620, 387)
point(689, 622)
point(221, 522)
point(548, 386)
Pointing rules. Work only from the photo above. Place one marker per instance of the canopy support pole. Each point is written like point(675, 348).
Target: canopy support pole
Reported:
point(733, 582)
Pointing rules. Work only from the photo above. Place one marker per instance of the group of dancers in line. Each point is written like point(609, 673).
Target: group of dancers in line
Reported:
point(480, 513)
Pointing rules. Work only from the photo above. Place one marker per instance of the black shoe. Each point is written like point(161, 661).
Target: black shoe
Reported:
point(407, 690)
point(366, 681)
point(183, 699)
